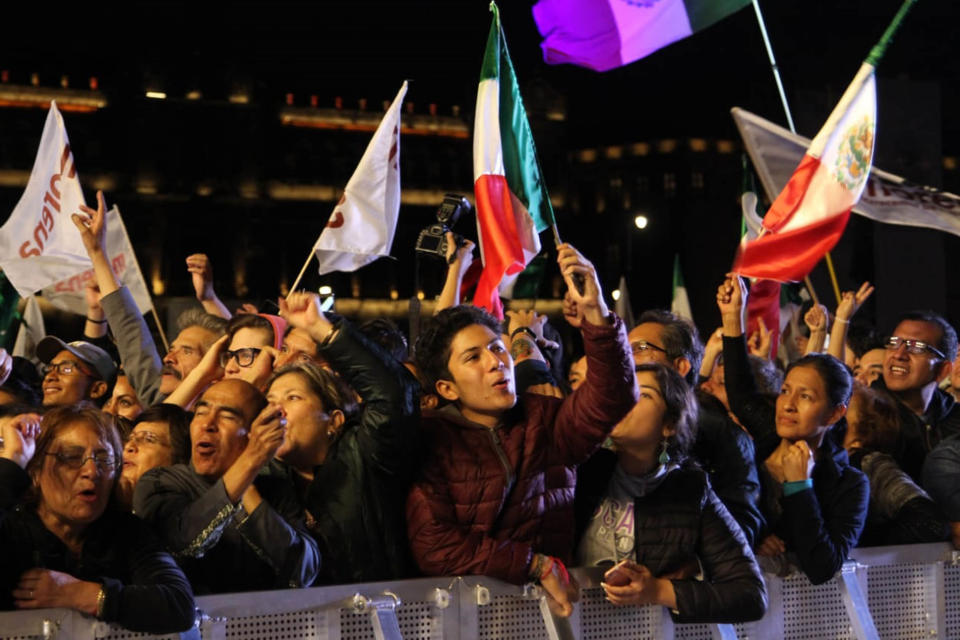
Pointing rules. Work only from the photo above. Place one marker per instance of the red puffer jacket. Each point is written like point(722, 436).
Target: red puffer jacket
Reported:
point(487, 499)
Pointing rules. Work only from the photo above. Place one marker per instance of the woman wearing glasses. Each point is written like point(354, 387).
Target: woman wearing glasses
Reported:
point(814, 502)
point(65, 545)
point(160, 438)
point(253, 342)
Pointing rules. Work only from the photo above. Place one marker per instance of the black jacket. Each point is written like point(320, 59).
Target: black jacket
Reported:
point(900, 511)
point(145, 589)
point(920, 434)
point(727, 454)
point(820, 526)
point(221, 547)
point(357, 497)
point(680, 521)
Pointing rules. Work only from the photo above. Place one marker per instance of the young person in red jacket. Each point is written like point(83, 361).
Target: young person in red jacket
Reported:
point(494, 494)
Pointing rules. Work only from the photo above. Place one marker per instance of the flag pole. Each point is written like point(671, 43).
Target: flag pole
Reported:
point(136, 263)
point(300, 275)
point(793, 129)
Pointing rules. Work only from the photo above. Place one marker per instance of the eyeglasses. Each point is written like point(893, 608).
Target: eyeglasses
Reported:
point(245, 356)
point(141, 438)
point(65, 368)
point(916, 347)
point(640, 346)
point(74, 458)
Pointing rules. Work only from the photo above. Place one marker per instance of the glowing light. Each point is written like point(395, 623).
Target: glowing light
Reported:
point(641, 221)
point(616, 294)
point(326, 290)
point(157, 95)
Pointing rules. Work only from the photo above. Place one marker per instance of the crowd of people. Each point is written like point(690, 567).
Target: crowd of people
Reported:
point(276, 451)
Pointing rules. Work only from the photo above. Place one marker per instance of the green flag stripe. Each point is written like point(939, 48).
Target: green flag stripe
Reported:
point(520, 164)
point(703, 13)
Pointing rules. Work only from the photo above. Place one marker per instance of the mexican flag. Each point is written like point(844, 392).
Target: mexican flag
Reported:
point(809, 216)
point(604, 34)
point(512, 202)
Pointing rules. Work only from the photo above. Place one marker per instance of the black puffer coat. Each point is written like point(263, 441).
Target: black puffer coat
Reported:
point(682, 521)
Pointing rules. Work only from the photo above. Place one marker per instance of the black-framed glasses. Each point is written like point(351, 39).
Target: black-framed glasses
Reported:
point(641, 346)
point(244, 356)
point(916, 347)
point(76, 458)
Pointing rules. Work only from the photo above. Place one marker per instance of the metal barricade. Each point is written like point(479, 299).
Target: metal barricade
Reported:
point(888, 592)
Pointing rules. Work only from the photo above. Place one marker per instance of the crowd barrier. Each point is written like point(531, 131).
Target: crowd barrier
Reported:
point(885, 592)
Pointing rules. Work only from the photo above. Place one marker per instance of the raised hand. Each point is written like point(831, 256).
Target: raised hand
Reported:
point(266, 434)
point(732, 300)
point(92, 226)
point(759, 343)
point(850, 302)
point(571, 311)
point(590, 302)
point(201, 273)
point(303, 310)
point(533, 321)
point(461, 257)
point(816, 319)
point(20, 435)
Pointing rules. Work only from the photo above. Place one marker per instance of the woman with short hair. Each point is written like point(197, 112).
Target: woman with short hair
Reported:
point(66, 546)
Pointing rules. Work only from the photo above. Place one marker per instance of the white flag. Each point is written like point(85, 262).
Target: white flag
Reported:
point(363, 223)
point(776, 152)
point(31, 331)
point(67, 294)
point(39, 244)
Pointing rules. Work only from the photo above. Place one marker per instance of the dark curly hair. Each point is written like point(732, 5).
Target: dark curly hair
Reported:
point(433, 345)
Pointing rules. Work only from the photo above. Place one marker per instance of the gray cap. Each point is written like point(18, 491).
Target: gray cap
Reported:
point(90, 354)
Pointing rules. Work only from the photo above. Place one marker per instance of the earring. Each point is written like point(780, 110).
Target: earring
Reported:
point(664, 454)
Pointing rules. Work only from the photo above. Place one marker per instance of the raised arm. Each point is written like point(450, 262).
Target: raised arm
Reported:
point(459, 260)
point(609, 390)
point(138, 352)
point(850, 303)
point(756, 414)
point(201, 273)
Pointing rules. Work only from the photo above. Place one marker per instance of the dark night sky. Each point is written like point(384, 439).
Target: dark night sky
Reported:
point(365, 49)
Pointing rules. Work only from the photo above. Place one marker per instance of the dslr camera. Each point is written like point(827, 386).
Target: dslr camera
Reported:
point(432, 241)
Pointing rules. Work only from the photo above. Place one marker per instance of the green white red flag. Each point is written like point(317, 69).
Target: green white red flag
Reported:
point(809, 216)
point(513, 206)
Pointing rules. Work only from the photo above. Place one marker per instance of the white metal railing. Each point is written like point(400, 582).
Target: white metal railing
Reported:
point(886, 592)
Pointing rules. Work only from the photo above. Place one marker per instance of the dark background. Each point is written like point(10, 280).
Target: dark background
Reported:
point(231, 153)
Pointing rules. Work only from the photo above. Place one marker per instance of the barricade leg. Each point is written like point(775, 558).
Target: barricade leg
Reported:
point(855, 601)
